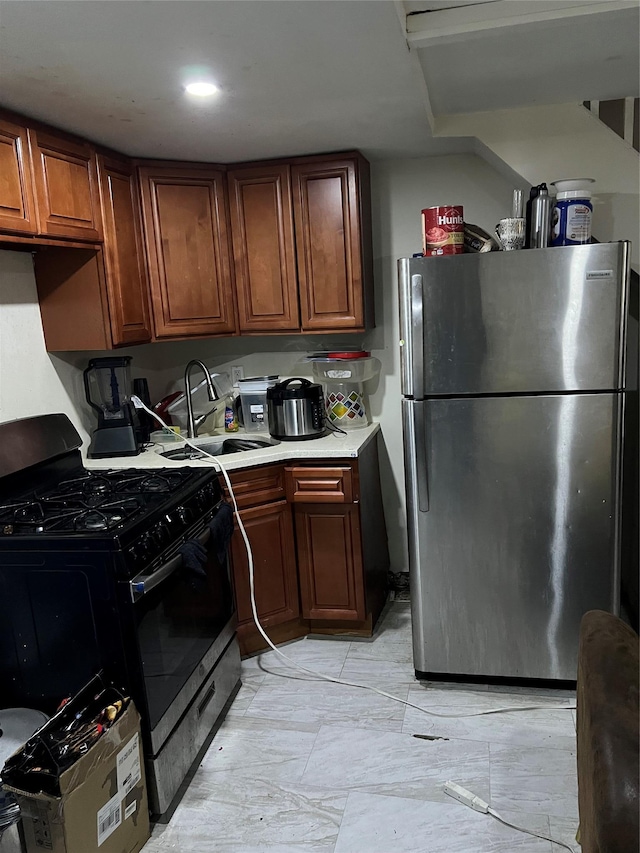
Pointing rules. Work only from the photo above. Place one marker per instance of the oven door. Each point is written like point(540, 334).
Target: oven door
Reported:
point(185, 619)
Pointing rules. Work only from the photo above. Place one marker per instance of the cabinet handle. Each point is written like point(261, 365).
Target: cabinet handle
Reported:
point(208, 696)
point(417, 341)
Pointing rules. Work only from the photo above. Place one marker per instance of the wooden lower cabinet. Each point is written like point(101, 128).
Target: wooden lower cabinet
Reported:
point(270, 532)
point(330, 561)
point(341, 541)
point(319, 542)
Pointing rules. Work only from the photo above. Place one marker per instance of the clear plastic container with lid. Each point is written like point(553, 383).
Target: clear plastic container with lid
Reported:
point(343, 376)
point(253, 398)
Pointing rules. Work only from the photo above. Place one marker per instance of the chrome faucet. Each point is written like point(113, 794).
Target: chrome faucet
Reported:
point(192, 426)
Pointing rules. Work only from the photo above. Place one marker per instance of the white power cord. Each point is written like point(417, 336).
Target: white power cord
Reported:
point(137, 402)
point(474, 802)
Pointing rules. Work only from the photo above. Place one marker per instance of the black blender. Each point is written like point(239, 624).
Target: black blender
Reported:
point(107, 384)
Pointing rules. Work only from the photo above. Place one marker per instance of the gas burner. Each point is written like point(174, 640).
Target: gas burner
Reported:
point(99, 487)
point(95, 520)
point(93, 487)
point(108, 516)
point(155, 483)
point(133, 481)
point(31, 512)
point(19, 514)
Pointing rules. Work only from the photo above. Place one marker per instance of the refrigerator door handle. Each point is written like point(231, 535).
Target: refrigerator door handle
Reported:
point(417, 335)
point(416, 453)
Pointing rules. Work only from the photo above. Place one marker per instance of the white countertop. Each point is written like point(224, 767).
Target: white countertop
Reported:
point(332, 446)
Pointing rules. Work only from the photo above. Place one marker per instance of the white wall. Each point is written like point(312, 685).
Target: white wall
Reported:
point(34, 382)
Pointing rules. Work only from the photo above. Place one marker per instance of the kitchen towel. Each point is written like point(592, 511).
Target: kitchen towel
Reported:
point(221, 526)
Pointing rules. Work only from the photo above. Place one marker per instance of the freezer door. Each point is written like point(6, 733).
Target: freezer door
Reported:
point(513, 529)
point(514, 322)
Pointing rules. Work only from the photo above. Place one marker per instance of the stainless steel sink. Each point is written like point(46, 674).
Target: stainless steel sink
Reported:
point(219, 447)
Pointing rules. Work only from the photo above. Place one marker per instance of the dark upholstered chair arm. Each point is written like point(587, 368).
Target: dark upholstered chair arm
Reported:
point(608, 735)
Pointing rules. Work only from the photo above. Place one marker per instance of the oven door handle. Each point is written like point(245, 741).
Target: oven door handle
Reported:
point(142, 584)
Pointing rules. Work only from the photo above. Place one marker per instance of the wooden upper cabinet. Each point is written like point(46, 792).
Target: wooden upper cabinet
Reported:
point(332, 232)
point(264, 248)
point(96, 298)
point(186, 234)
point(17, 208)
point(66, 182)
point(125, 266)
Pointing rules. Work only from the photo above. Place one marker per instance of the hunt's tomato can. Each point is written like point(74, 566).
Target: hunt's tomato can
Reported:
point(443, 230)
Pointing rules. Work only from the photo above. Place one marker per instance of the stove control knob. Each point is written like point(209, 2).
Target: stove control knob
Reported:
point(134, 554)
point(141, 551)
point(182, 514)
point(146, 546)
point(207, 497)
point(161, 533)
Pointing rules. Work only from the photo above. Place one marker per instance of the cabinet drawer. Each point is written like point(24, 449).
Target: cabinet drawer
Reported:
point(258, 486)
point(320, 485)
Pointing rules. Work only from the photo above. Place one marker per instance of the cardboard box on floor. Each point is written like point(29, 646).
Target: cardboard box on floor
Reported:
point(103, 802)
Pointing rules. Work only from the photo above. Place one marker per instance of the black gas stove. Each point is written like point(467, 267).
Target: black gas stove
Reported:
point(117, 571)
point(90, 502)
point(140, 512)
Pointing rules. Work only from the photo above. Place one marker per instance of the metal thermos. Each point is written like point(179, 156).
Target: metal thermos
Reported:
point(540, 224)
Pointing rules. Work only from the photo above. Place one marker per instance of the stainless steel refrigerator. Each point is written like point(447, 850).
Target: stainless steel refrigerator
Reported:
point(513, 381)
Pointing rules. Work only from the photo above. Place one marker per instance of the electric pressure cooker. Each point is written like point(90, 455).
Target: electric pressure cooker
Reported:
point(296, 410)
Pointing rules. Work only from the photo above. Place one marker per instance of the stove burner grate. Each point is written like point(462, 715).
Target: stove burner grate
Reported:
point(92, 501)
point(38, 517)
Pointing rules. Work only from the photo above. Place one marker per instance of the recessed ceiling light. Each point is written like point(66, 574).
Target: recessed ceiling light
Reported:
point(201, 88)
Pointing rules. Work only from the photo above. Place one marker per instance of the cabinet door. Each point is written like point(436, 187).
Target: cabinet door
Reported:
point(17, 208)
point(270, 533)
point(263, 248)
point(186, 234)
point(66, 181)
point(73, 298)
point(330, 561)
point(126, 278)
point(328, 245)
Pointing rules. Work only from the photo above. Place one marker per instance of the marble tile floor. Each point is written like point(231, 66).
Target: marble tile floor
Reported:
point(307, 766)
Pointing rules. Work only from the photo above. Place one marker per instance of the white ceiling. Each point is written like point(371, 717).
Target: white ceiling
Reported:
point(298, 76)
point(504, 54)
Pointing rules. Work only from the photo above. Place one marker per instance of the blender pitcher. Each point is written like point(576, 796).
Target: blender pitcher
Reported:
point(107, 385)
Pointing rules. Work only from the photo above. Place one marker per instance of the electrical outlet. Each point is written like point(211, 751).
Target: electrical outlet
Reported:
point(237, 372)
